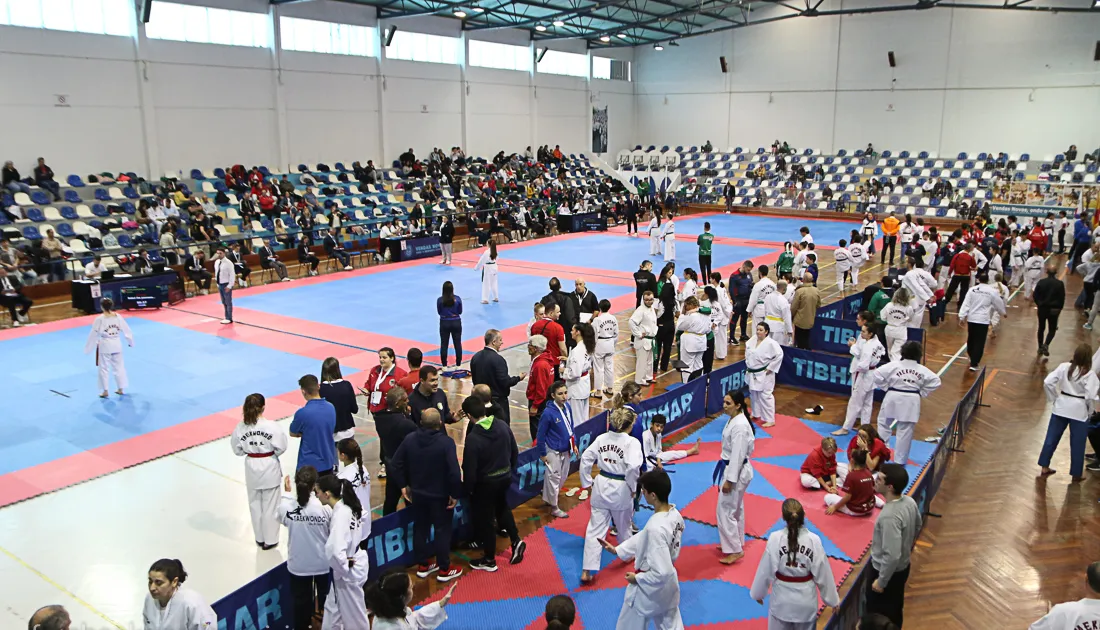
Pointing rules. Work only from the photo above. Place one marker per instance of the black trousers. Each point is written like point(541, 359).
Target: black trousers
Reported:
point(200, 278)
point(1048, 321)
point(704, 269)
point(956, 282)
point(533, 420)
point(393, 497)
point(631, 223)
point(888, 242)
point(1061, 241)
point(308, 593)
point(740, 313)
point(18, 300)
point(891, 601)
point(975, 342)
point(708, 356)
point(663, 341)
point(429, 513)
point(489, 503)
point(450, 330)
point(802, 338)
point(505, 408)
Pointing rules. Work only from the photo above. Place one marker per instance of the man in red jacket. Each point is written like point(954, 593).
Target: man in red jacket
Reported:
point(962, 265)
point(539, 380)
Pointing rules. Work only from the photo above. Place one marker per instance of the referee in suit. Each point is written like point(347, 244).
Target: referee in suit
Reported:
point(487, 367)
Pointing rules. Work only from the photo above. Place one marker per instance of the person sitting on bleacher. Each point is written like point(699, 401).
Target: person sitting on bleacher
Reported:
point(270, 260)
point(237, 258)
point(43, 178)
point(407, 158)
point(201, 229)
point(305, 256)
point(335, 250)
point(143, 263)
point(195, 267)
point(16, 263)
point(11, 297)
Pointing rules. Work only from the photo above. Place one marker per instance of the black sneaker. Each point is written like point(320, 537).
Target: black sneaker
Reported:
point(484, 564)
point(735, 342)
point(745, 337)
point(1094, 467)
point(518, 550)
point(1088, 456)
point(1046, 351)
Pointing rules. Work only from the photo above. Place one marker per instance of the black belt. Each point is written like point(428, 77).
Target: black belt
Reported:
point(1073, 395)
point(607, 337)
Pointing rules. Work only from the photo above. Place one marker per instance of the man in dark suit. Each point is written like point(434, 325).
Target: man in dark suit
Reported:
point(11, 296)
point(569, 316)
point(489, 368)
point(195, 266)
point(268, 259)
point(335, 250)
point(237, 258)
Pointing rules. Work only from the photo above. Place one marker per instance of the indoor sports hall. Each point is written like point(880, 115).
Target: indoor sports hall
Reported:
point(217, 198)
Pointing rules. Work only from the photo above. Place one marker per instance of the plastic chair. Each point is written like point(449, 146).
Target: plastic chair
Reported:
point(74, 181)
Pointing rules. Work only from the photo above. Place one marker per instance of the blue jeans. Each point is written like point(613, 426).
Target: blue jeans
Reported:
point(226, 291)
point(1078, 435)
point(450, 330)
point(18, 186)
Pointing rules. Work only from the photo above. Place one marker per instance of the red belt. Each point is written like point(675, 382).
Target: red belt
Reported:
point(259, 455)
point(789, 578)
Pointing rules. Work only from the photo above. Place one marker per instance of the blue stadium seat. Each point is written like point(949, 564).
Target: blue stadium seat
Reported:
point(221, 187)
point(69, 213)
point(923, 155)
point(219, 173)
point(339, 167)
point(75, 181)
point(1019, 176)
point(910, 163)
point(40, 198)
point(679, 149)
point(1044, 168)
point(99, 210)
point(886, 154)
point(891, 162)
point(65, 230)
point(903, 154)
point(35, 214)
point(934, 202)
point(937, 172)
point(71, 196)
point(841, 152)
point(130, 193)
point(128, 207)
point(1025, 157)
point(31, 233)
point(878, 170)
point(264, 171)
point(101, 194)
point(983, 156)
point(962, 156)
point(969, 164)
point(302, 168)
point(196, 174)
point(125, 242)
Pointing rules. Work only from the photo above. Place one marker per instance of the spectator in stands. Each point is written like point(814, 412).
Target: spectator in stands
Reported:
point(407, 158)
point(239, 266)
point(55, 247)
point(50, 618)
point(11, 297)
point(167, 244)
point(195, 267)
point(12, 181)
point(202, 230)
point(335, 250)
point(708, 147)
point(43, 178)
point(15, 262)
point(269, 259)
point(1071, 153)
point(869, 151)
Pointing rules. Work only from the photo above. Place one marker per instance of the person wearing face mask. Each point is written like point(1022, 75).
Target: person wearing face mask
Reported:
point(389, 600)
point(169, 605)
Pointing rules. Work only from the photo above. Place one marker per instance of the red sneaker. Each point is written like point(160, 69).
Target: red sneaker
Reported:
point(424, 570)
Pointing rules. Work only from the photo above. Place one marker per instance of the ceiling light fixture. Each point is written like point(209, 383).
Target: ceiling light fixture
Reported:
point(605, 39)
point(658, 46)
point(559, 23)
point(540, 28)
point(479, 10)
point(460, 13)
point(622, 35)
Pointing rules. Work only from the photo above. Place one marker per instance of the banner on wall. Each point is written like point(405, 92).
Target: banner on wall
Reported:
point(721, 382)
point(599, 129)
point(261, 603)
point(832, 335)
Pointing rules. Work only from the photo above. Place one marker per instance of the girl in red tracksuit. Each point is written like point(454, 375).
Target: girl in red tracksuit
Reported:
point(381, 379)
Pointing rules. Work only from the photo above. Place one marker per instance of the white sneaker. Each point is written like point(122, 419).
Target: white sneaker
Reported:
point(205, 292)
point(226, 321)
point(348, 268)
point(583, 496)
point(16, 324)
point(557, 512)
point(286, 279)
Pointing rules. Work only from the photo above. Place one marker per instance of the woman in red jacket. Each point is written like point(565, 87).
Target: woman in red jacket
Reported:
point(381, 379)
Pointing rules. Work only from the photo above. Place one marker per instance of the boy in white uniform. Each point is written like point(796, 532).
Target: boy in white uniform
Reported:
point(921, 286)
point(1033, 270)
point(866, 353)
point(1084, 613)
point(777, 312)
point(668, 233)
point(654, 235)
point(721, 332)
point(653, 451)
point(105, 338)
point(763, 287)
point(643, 327)
point(859, 258)
point(606, 326)
point(843, 258)
point(619, 457)
point(795, 569)
point(905, 383)
point(653, 589)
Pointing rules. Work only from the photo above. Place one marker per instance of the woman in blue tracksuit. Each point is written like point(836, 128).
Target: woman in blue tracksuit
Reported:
point(449, 307)
point(556, 445)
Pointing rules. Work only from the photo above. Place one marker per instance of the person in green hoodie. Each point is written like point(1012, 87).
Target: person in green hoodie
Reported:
point(880, 299)
point(785, 265)
point(706, 244)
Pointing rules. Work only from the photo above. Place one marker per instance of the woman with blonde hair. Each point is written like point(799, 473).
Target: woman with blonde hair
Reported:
point(261, 442)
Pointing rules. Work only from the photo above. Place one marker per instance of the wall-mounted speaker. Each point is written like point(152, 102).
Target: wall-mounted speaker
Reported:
point(722, 61)
point(146, 9)
point(890, 58)
point(391, 30)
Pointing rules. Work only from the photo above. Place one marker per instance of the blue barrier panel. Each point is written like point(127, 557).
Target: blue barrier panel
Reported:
point(845, 308)
point(259, 604)
point(832, 335)
point(721, 381)
point(527, 480)
point(680, 407)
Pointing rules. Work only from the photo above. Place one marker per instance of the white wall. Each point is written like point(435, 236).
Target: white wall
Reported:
point(155, 106)
point(966, 80)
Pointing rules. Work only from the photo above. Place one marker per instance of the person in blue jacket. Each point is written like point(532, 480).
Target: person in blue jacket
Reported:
point(556, 445)
point(1082, 240)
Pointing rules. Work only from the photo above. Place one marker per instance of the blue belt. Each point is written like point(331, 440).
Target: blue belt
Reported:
point(612, 476)
point(903, 391)
point(720, 469)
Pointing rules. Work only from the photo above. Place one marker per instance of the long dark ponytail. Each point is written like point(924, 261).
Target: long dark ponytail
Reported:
point(350, 449)
point(386, 597)
point(304, 480)
point(795, 517)
point(739, 401)
point(343, 490)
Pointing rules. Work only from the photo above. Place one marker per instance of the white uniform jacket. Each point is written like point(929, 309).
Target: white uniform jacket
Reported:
point(794, 585)
point(1073, 398)
point(905, 383)
point(654, 550)
point(307, 532)
point(762, 360)
point(342, 546)
point(607, 333)
point(762, 289)
point(619, 456)
point(738, 444)
point(426, 618)
point(261, 444)
point(980, 304)
point(185, 611)
point(107, 333)
point(577, 367)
